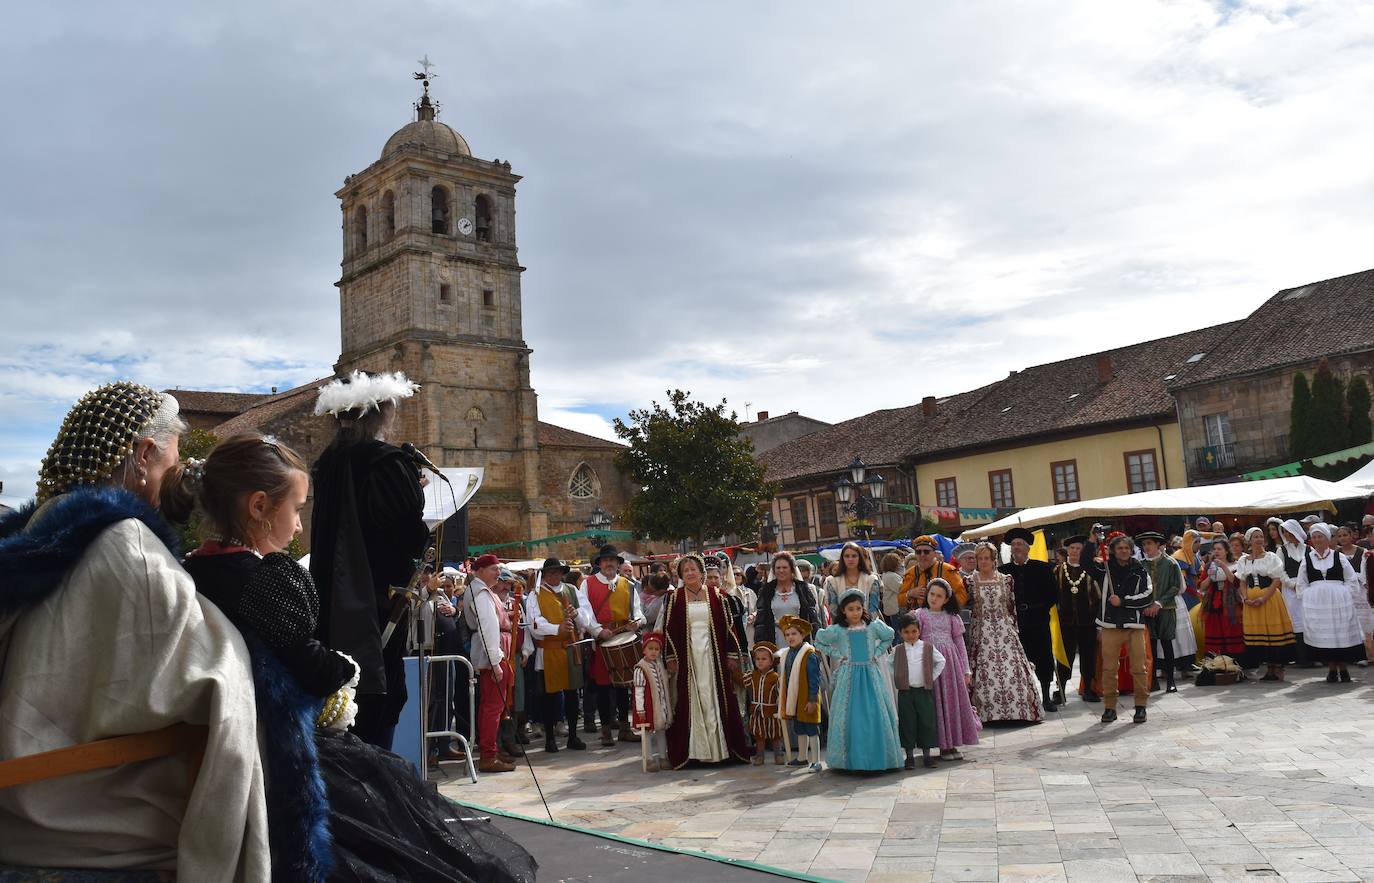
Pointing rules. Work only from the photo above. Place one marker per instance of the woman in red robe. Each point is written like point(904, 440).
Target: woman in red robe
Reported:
point(702, 656)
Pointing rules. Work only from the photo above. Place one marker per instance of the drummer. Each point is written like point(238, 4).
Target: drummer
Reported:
point(610, 605)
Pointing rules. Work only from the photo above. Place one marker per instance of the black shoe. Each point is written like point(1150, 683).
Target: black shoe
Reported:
point(1345, 677)
point(928, 762)
point(910, 764)
point(1090, 696)
point(575, 743)
point(1058, 697)
point(1108, 715)
point(1172, 688)
point(1331, 677)
point(1139, 717)
point(550, 746)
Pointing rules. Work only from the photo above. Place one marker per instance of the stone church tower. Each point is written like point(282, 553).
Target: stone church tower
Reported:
point(430, 285)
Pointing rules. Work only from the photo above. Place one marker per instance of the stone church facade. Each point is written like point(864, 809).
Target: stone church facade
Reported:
point(430, 285)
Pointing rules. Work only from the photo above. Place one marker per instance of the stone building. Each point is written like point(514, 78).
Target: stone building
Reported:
point(430, 285)
point(768, 432)
point(1234, 402)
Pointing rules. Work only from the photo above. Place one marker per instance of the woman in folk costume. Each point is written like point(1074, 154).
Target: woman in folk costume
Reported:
point(1358, 557)
point(93, 549)
point(1222, 605)
point(786, 594)
point(651, 709)
point(855, 572)
point(863, 731)
point(338, 808)
point(1269, 639)
point(1190, 563)
point(1327, 585)
point(367, 531)
point(1291, 551)
point(1004, 682)
point(942, 628)
point(702, 660)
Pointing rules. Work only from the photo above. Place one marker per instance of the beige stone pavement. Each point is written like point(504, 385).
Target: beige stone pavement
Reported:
point(1254, 781)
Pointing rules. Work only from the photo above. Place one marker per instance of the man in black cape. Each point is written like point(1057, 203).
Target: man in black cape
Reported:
point(367, 534)
point(1036, 592)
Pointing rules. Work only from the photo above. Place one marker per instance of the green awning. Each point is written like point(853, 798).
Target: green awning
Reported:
point(1290, 469)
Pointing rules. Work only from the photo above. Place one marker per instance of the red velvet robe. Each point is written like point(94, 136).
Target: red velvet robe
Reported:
point(675, 632)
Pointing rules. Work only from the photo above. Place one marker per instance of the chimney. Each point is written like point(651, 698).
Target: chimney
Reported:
point(1104, 368)
point(763, 415)
point(928, 406)
point(274, 390)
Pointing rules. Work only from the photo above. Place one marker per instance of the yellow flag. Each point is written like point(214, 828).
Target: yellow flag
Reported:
point(1040, 551)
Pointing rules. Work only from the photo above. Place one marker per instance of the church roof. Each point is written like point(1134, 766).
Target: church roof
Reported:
point(551, 436)
point(427, 133)
point(255, 418)
point(198, 401)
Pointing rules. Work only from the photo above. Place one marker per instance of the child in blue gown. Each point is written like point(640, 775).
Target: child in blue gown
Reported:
point(863, 709)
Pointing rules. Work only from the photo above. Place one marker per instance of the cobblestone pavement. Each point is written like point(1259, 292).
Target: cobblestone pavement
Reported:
point(1254, 781)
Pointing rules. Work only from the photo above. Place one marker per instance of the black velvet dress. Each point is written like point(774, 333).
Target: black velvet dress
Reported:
point(384, 823)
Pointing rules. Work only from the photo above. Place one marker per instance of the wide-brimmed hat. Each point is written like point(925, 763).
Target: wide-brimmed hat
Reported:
point(795, 622)
point(1080, 538)
point(554, 564)
point(608, 551)
point(1019, 533)
point(1150, 535)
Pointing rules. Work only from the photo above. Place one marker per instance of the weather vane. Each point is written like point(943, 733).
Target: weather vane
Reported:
point(425, 75)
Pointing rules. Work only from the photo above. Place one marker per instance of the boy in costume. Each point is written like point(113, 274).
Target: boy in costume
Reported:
point(652, 712)
point(915, 666)
point(764, 686)
point(800, 666)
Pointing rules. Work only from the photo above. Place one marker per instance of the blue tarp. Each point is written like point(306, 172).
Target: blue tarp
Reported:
point(945, 543)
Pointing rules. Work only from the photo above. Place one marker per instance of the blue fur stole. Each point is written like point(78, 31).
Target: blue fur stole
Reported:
point(33, 564)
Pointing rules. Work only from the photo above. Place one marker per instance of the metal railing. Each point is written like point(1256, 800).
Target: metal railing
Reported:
point(466, 740)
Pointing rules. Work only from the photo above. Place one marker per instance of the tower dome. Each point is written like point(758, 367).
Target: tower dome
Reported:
point(426, 131)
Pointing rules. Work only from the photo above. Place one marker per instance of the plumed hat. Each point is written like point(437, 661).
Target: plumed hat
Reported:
point(97, 435)
point(363, 392)
point(795, 622)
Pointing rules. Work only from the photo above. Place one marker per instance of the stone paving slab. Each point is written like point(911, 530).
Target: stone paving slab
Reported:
point(1251, 782)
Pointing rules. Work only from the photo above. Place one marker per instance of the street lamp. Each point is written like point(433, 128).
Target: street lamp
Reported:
point(866, 493)
point(597, 524)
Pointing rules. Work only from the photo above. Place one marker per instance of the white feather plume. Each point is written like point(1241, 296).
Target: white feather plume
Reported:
point(364, 392)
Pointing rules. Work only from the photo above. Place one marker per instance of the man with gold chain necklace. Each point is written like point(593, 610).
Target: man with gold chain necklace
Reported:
point(1079, 581)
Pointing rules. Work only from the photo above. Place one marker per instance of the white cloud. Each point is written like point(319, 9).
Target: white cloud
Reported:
point(778, 203)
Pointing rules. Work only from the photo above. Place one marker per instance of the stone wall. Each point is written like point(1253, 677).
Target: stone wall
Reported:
point(1258, 408)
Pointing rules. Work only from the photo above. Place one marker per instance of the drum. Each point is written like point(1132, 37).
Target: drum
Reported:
point(622, 653)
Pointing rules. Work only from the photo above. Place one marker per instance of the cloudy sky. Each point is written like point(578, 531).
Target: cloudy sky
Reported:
point(828, 208)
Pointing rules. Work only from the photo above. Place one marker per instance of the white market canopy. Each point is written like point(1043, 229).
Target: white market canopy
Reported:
point(1267, 497)
point(1362, 477)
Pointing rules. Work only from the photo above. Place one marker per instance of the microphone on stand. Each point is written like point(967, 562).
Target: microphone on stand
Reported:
point(422, 461)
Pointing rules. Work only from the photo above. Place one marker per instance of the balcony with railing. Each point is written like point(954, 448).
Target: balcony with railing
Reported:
point(1240, 456)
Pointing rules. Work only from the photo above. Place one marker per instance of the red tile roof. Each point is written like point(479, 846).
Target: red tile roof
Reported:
point(210, 402)
point(255, 418)
point(1294, 327)
point(1059, 398)
point(551, 436)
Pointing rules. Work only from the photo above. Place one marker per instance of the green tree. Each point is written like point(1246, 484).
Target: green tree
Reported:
point(1358, 430)
point(1300, 419)
point(195, 444)
point(1327, 417)
point(697, 476)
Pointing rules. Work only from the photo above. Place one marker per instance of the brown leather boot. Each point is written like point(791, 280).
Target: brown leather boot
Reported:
point(495, 765)
point(627, 733)
point(606, 737)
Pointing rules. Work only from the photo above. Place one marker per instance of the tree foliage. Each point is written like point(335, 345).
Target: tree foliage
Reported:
point(1299, 418)
point(697, 475)
point(1327, 417)
point(195, 444)
point(1358, 429)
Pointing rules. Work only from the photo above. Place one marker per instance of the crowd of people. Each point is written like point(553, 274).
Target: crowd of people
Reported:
point(296, 676)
